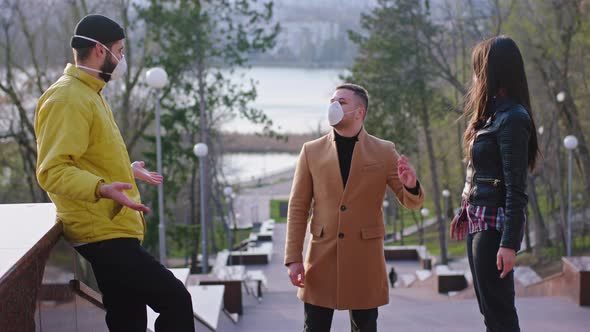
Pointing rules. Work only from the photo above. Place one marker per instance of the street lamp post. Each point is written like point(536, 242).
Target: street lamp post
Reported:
point(157, 79)
point(228, 192)
point(570, 142)
point(427, 263)
point(447, 196)
point(235, 216)
point(386, 208)
point(201, 151)
point(424, 212)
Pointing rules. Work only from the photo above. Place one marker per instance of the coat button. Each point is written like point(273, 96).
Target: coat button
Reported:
point(343, 208)
point(341, 236)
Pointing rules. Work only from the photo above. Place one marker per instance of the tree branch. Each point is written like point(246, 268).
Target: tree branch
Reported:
point(30, 39)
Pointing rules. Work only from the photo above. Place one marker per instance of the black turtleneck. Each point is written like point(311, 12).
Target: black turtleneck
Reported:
point(345, 147)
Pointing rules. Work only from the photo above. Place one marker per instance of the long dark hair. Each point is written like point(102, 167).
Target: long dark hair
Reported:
point(499, 69)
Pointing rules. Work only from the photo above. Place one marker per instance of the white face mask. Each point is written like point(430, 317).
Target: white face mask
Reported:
point(120, 68)
point(336, 113)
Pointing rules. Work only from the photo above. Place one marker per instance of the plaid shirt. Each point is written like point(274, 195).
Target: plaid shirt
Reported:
point(483, 218)
point(474, 218)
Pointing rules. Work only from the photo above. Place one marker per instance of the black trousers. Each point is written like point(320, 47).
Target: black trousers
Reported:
point(319, 319)
point(129, 278)
point(494, 295)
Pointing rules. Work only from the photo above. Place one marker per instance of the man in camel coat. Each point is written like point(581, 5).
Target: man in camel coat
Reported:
point(341, 179)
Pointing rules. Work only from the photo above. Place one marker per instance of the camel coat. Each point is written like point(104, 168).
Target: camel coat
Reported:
point(345, 263)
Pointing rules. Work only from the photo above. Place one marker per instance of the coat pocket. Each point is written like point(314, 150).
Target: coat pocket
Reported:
point(120, 213)
point(373, 232)
point(316, 230)
point(105, 208)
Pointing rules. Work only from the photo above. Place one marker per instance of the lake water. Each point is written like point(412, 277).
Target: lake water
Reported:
point(240, 167)
point(295, 99)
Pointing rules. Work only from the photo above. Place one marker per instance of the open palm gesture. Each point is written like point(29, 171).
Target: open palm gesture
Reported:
point(139, 172)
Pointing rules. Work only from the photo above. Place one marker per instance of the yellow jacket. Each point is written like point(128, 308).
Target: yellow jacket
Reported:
point(79, 147)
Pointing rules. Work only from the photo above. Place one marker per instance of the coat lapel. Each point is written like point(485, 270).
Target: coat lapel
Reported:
point(334, 164)
point(357, 163)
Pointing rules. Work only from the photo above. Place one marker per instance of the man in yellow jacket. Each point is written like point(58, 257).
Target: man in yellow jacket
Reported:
point(84, 166)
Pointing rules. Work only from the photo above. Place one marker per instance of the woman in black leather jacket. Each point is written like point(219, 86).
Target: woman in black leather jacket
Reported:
point(500, 147)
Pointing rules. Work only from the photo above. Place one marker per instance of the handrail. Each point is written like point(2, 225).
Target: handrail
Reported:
point(20, 284)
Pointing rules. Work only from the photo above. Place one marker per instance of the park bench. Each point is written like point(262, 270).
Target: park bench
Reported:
point(419, 253)
point(449, 280)
point(257, 254)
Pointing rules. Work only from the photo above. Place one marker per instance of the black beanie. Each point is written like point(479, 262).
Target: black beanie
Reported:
point(97, 27)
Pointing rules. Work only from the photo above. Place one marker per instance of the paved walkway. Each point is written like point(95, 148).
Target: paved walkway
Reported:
point(410, 309)
point(253, 203)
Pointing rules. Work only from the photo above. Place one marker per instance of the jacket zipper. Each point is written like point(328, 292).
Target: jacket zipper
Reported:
point(473, 166)
point(494, 182)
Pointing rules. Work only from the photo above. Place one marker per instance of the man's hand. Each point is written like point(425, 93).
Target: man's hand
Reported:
point(139, 172)
point(505, 260)
point(115, 191)
point(297, 274)
point(406, 172)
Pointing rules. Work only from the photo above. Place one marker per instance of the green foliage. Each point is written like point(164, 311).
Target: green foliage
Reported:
point(275, 212)
point(14, 181)
point(394, 67)
point(211, 38)
point(200, 44)
point(183, 237)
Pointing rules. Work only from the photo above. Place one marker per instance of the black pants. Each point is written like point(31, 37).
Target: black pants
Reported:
point(129, 278)
point(319, 319)
point(494, 295)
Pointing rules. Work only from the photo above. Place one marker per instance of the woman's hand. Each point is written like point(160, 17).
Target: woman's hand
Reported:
point(505, 260)
point(458, 228)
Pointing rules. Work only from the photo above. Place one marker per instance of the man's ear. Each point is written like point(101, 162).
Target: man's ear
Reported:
point(98, 50)
point(363, 112)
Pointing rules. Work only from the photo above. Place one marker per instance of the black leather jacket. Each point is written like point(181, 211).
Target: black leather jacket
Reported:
point(497, 170)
